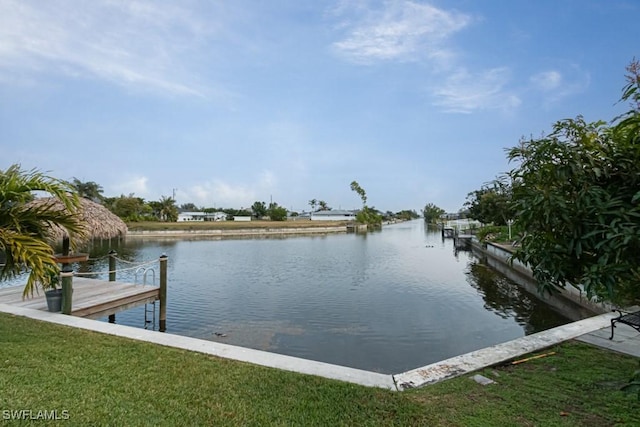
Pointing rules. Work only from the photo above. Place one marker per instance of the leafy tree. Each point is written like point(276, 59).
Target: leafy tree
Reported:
point(89, 190)
point(367, 215)
point(155, 209)
point(129, 208)
point(168, 210)
point(25, 229)
point(323, 206)
point(432, 213)
point(407, 215)
point(277, 213)
point(189, 207)
point(577, 196)
point(491, 204)
point(360, 191)
point(259, 209)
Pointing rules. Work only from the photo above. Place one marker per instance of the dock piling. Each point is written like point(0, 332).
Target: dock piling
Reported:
point(112, 277)
point(163, 292)
point(67, 288)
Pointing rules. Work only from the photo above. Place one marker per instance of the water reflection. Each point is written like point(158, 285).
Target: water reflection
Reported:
point(506, 299)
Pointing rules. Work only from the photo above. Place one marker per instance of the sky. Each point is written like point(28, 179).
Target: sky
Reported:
point(224, 103)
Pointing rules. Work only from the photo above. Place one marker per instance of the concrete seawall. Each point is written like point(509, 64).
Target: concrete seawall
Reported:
point(570, 301)
point(245, 232)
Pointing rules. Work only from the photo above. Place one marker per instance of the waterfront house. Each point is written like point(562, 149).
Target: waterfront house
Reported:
point(334, 215)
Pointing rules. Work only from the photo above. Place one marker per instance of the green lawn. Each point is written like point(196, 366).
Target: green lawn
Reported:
point(106, 380)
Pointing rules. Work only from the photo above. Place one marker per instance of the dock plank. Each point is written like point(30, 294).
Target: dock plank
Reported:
point(92, 298)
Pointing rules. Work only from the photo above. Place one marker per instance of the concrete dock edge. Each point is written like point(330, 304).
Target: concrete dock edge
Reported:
point(414, 378)
point(499, 353)
point(258, 357)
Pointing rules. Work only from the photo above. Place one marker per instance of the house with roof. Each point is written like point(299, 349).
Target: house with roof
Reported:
point(201, 216)
point(334, 215)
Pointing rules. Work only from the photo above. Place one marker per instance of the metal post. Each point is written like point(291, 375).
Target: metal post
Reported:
point(163, 292)
point(112, 277)
point(67, 288)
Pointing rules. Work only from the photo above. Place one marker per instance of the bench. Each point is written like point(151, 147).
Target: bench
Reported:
point(631, 319)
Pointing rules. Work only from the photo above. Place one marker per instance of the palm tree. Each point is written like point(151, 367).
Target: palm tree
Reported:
point(89, 190)
point(26, 228)
point(168, 210)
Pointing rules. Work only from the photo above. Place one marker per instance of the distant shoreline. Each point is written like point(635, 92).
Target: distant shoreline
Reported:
point(238, 232)
point(210, 229)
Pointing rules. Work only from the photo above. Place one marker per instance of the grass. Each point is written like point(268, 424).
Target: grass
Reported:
point(106, 380)
point(230, 225)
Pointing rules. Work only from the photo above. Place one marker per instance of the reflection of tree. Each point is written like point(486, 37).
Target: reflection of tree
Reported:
point(507, 299)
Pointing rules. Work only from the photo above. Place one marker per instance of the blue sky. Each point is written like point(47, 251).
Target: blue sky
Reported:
point(230, 102)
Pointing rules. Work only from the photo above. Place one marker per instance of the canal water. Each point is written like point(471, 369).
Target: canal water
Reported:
point(386, 301)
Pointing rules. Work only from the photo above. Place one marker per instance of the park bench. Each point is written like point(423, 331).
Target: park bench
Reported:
point(631, 319)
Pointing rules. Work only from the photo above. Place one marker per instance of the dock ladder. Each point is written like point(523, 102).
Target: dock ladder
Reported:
point(149, 308)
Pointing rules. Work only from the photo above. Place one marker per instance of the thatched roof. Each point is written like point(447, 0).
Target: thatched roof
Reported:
point(99, 222)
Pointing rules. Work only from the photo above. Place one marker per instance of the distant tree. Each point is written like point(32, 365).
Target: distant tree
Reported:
point(407, 215)
point(367, 215)
point(492, 203)
point(360, 191)
point(168, 211)
point(156, 208)
point(129, 208)
point(277, 213)
point(432, 213)
point(88, 190)
point(313, 203)
point(577, 196)
point(259, 209)
point(25, 229)
point(323, 206)
point(189, 207)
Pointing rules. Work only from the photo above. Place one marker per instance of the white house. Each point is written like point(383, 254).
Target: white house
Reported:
point(201, 216)
point(242, 218)
point(333, 215)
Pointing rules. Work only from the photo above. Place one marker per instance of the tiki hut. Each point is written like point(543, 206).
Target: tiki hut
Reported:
point(99, 222)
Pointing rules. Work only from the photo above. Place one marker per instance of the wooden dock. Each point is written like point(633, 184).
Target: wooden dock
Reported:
point(92, 298)
point(462, 241)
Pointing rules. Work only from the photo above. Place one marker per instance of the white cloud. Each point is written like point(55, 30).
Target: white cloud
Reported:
point(134, 184)
point(547, 80)
point(400, 30)
point(463, 92)
point(408, 31)
point(555, 85)
point(224, 194)
point(267, 180)
point(137, 44)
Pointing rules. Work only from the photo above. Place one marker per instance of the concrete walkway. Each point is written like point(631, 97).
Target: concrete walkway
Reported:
point(626, 339)
point(595, 330)
point(499, 353)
